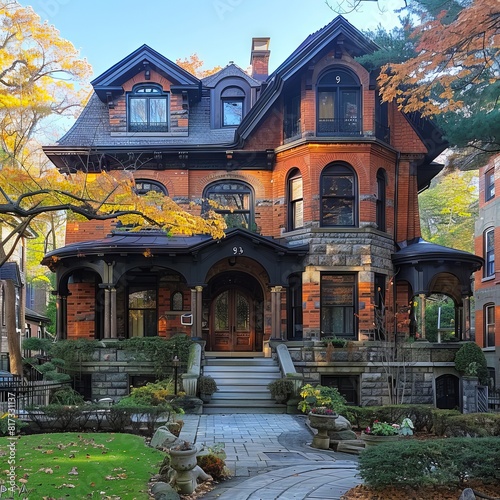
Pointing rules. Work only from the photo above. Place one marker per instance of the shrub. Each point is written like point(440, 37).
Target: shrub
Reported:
point(213, 465)
point(420, 415)
point(470, 360)
point(471, 425)
point(37, 344)
point(440, 420)
point(320, 395)
point(334, 341)
point(444, 462)
point(10, 426)
point(66, 396)
point(153, 393)
point(280, 387)
point(206, 385)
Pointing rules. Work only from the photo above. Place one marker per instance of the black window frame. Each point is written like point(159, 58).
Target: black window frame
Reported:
point(292, 118)
point(347, 385)
point(156, 186)
point(489, 185)
point(237, 188)
point(340, 171)
point(349, 311)
point(295, 203)
point(148, 92)
point(295, 327)
point(338, 83)
point(489, 325)
point(235, 100)
point(145, 284)
point(489, 253)
point(381, 202)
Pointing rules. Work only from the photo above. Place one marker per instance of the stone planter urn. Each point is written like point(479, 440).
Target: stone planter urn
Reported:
point(371, 440)
point(184, 462)
point(323, 424)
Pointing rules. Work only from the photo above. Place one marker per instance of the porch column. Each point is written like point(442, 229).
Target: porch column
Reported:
point(196, 311)
point(59, 318)
point(107, 330)
point(112, 319)
point(64, 317)
point(466, 327)
point(276, 332)
point(422, 315)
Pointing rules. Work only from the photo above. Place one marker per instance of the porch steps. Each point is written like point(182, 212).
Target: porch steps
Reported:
point(242, 385)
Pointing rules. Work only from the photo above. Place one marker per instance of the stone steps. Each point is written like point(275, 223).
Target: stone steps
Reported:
point(242, 385)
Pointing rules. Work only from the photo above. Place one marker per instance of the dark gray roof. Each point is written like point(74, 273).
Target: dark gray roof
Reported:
point(230, 70)
point(10, 271)
point(36, 317)
point(421, 250)
point(91, 129)
point(157, 242)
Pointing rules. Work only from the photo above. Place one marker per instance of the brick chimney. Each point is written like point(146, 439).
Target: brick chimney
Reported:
point(259, 58)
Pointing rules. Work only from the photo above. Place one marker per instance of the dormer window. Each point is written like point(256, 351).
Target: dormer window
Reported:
point(148, 109)
point(338, 104)
point(233, 100)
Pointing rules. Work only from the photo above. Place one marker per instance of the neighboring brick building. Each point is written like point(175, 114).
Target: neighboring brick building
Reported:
point(487, 293)
point(323, 179)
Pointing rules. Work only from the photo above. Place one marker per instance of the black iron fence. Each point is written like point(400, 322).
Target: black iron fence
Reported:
point(17, 394)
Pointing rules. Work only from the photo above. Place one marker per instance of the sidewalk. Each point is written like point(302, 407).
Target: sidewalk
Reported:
point(269, 458)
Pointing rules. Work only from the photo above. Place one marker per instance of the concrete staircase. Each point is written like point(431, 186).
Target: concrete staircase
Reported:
point(242, 385)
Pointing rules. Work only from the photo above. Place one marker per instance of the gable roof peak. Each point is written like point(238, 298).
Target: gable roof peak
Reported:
point(142, 59)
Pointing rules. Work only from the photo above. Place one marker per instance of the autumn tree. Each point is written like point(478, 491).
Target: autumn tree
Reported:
point(448, 210)
point(454, 74)
point(41, 75)
point(194, 65)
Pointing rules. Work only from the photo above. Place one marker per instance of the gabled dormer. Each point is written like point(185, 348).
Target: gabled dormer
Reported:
point(146, 93)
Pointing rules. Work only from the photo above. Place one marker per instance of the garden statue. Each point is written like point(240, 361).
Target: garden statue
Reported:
point(406, 427)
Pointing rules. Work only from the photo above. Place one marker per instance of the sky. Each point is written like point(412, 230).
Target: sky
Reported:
point(219, 31)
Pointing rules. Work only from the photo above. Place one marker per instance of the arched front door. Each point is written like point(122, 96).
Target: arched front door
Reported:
point(232, 321)
point(447, 392)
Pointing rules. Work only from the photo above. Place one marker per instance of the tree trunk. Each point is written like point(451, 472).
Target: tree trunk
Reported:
point(13, 338)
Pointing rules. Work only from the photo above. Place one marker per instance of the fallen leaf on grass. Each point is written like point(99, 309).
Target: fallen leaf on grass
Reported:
point(64, 485)
point(73, 471)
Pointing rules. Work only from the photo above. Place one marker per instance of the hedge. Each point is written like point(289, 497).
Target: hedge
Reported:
point(363, 416)
point(443, 462)
point(455, 424)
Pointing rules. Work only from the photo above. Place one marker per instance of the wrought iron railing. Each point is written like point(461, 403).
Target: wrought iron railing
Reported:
point(341, 126)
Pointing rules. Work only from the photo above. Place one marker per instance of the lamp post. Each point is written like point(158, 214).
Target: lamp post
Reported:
point(176, 361)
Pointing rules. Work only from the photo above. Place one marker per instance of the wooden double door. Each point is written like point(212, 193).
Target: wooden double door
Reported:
point(233, 325)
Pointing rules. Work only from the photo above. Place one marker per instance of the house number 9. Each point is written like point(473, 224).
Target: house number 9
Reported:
point(337, 79)
point(237, 251)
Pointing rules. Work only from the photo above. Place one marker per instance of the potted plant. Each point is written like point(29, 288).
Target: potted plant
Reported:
point(280, 389)
point(206, 386)
point(380, 432)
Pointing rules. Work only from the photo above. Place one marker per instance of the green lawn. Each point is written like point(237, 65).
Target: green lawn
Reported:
point(79, 465)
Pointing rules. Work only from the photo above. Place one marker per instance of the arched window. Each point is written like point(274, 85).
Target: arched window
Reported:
point(338, 103)
point(177, 301)
point(381, 201)
point(489, 253)
point(339, 196)
point(233, 100)
point(148, 109)
point(143, 186)
point(236, 202)
point(295, 200)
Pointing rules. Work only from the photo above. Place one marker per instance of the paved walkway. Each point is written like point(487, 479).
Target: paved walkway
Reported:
point(270, 458)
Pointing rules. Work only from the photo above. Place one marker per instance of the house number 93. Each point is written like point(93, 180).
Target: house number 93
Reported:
point(237, 251)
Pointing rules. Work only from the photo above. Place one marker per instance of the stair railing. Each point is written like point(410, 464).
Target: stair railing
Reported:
point(287, 368)
point(190, 378)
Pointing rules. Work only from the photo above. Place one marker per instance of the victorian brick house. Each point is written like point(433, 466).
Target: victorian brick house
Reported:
point(322, 179)
point(486, 288)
